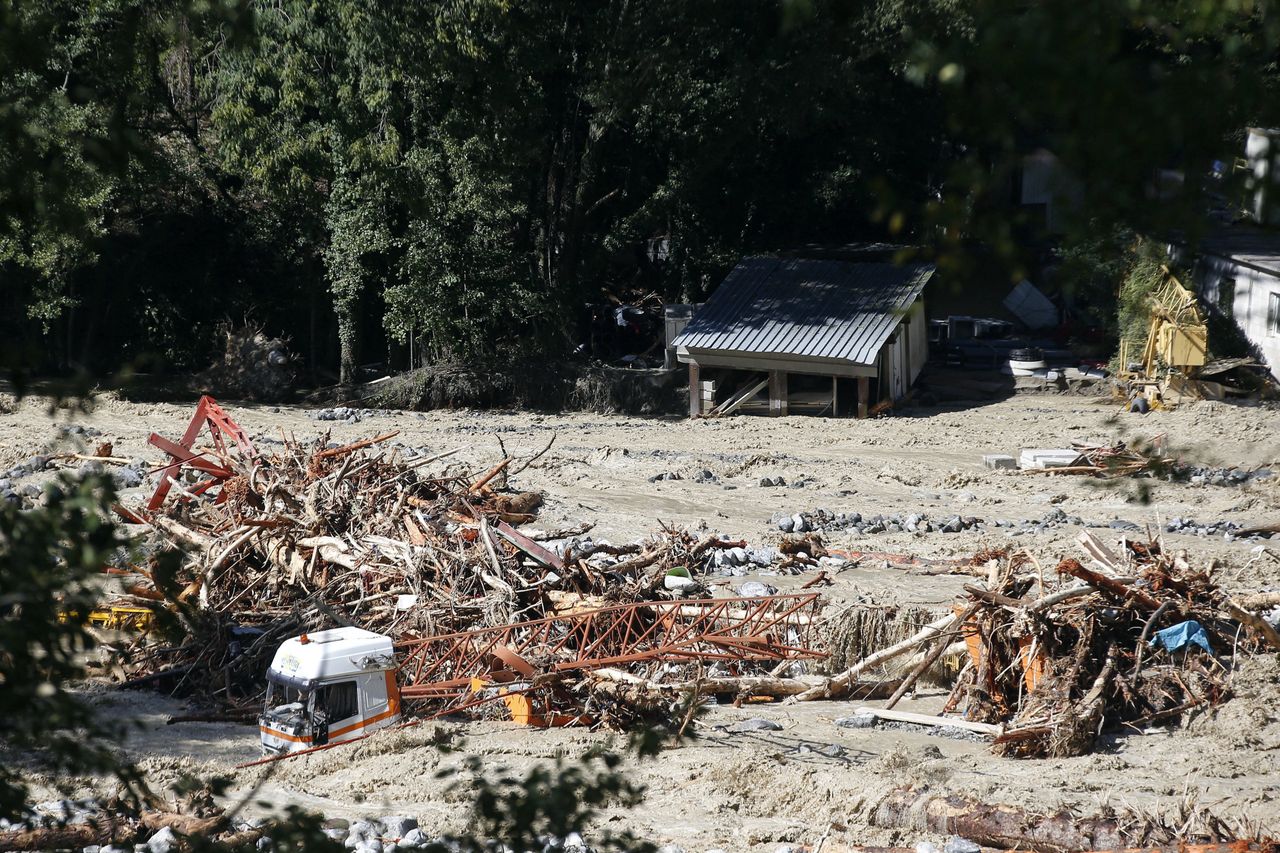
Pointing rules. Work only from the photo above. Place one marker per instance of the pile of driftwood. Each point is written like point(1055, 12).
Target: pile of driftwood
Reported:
point(1057, 673)
point(1134, 638)
point(253, 365)
point(312, 535)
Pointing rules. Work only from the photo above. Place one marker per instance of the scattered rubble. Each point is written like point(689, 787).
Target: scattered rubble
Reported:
point(1121, 460)
point(393, 537)
point(347, 414)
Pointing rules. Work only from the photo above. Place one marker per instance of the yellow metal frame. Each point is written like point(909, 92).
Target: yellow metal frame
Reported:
point(118, 618)
point(1177, 334)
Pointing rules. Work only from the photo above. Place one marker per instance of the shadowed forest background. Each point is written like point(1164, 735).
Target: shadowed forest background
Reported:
point(453, 182)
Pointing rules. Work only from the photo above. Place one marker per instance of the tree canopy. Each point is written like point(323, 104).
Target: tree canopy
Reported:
point(467, 175)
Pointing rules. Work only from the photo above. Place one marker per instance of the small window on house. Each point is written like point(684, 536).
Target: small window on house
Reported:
point(340, 701)
point(1273, 314)
point(1227, 297)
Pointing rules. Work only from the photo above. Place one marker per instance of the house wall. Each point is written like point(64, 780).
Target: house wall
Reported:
point(918, 332)
point(903, 356)
point(1261, 152)
point(1247, 305)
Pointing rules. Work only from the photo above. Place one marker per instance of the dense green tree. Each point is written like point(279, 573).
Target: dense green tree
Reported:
point(468, 174)
point(95, 102)
point(487, 169)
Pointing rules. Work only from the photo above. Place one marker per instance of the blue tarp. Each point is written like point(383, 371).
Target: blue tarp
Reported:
point(1183, 634)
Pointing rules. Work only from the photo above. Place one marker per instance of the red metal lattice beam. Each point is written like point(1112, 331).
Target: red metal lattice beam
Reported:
point(221, 427)
point(731, 630)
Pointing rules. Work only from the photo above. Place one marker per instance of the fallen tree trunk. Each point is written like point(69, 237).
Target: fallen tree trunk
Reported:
point(1254, 621)
point(741, 686)
point(184, 824)
point(184, 535)
point(931, 720)
point(840, 684)
point(73, 836)
point(1259, 600)
point(1003, 826)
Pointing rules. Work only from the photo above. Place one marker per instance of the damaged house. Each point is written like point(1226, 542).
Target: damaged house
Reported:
point(1238, 275)
point(818, 336)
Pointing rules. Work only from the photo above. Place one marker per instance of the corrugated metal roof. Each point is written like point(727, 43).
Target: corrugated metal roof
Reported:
point(829, 310)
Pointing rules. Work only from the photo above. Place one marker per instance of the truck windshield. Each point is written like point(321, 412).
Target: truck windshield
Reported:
point(280, 695)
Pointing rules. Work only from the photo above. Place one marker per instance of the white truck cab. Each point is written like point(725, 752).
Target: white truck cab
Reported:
point(329, 687)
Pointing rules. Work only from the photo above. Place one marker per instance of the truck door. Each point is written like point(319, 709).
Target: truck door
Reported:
point(337, 712)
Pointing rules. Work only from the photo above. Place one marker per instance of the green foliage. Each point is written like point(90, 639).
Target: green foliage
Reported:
point(466, 175)
point(49, 558)
point(1116, 91)
point(517, 812)
point(1090, 270)
point(484, 176)
point(1143, 278)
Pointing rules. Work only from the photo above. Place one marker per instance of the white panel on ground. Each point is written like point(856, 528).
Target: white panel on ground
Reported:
point(1032, 307)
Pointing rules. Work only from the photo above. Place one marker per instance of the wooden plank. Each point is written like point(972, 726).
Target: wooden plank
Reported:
point(695, 404)
point(740, 397)
point(540, 555)
point(930, 720)
point(1103, 556)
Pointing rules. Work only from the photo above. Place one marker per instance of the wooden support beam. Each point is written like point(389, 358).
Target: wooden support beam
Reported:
point(864, 391)
point(695, 392)
point(835, 396)
point(777, 392)
point(738, 398)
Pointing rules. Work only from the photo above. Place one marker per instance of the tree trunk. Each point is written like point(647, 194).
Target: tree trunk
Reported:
point(349, 344)
point(68, 837)
point(1006, 827)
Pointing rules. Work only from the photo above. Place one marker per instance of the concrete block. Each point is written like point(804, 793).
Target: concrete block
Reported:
point(1047, 458)
point(998, 461)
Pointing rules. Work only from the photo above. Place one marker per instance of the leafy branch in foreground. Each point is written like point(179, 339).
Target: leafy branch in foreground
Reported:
point(552, 801)
point(49, 557)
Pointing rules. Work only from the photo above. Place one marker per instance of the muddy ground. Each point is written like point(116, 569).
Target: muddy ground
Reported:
point(760, 789)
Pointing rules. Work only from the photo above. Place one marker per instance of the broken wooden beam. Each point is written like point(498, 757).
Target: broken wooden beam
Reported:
point(930, 720)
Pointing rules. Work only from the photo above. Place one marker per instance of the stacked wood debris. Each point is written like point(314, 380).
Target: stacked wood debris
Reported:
point(309, 535)
point(1054, 658)
point(1114, 460)
point(253, 365)
point(1057, 674)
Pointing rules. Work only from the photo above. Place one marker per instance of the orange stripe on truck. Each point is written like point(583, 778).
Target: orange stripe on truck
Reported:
point(393, 708)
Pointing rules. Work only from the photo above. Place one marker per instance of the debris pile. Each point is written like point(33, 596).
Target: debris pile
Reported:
point(1113, 460)
point(487, 620)
point(253, 365)
point(1130, 640)
point(306, 535)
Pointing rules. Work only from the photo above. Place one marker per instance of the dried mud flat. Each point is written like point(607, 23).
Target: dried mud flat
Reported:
point(759, 789)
